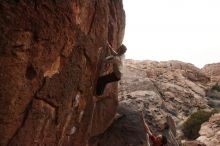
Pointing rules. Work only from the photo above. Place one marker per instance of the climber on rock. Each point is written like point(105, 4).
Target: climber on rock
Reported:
point(159, 140)
point(115, 58)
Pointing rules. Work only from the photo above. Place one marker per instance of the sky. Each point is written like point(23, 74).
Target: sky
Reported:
point(185, 30)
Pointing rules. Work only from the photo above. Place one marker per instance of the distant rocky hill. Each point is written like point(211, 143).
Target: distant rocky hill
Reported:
point(163, 88)
point(212, 70)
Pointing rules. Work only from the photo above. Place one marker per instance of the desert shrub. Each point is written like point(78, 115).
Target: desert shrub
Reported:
point(215, 87)
point(193, 124)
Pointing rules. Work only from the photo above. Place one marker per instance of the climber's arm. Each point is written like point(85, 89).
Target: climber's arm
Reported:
point(146, 127)
point(113, 52)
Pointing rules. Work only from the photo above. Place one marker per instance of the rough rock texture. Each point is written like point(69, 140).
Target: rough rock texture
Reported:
point(50, 53)
point(213, 71)
point(210, 131)
point(163, 88)
point(192, 143)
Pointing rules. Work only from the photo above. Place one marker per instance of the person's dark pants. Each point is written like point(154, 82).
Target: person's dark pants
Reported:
point(103, 81)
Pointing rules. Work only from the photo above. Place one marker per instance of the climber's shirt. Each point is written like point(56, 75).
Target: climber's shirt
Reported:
point(152, 138)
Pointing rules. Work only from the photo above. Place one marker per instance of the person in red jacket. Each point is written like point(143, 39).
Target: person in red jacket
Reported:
point(156, 140)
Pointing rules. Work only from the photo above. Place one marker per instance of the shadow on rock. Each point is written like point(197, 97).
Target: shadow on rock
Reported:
point(126, 130)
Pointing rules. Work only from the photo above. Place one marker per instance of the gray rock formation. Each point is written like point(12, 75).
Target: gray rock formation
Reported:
point(163, 88)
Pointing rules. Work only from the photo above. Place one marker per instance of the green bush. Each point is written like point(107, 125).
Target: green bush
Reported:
point(193, 124)
point(215, 87)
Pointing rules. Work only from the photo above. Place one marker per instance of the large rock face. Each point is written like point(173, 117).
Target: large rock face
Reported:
point(163, 88)
point(50, 53)
point(213, 71)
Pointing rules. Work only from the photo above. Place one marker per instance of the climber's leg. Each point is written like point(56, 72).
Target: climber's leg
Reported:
point(104, 80)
